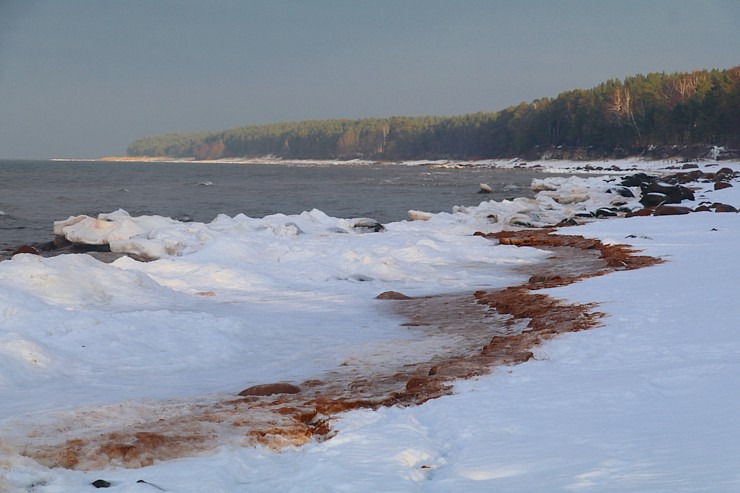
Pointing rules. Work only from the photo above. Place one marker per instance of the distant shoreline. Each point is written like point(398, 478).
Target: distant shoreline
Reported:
point(241, 160)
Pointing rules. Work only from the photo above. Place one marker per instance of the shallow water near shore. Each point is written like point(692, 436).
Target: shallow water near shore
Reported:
point(33, 194)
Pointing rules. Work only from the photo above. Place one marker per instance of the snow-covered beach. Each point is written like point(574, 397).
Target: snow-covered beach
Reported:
point(644, 402)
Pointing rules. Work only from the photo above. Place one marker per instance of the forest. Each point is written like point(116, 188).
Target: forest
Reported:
point(656, 114)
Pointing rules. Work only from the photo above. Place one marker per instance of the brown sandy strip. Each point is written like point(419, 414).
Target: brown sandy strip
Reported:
point(482, 331)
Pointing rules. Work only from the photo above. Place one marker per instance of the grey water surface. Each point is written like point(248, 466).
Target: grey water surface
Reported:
point(34, 194)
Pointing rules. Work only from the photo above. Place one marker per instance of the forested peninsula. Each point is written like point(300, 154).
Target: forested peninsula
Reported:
point(656, 115)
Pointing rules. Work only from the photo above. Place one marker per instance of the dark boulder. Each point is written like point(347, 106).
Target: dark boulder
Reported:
point(722, 185)
point(674, 194)
point(652, 199)
point(637, 179)
point(623, 191)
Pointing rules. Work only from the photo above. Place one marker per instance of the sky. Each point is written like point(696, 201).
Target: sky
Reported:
point(84, 78)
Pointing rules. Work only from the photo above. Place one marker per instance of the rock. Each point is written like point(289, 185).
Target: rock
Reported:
point(640, 212)
point(623, 191)
point(392, 295)
point(270, 389)
point(721, 185)
point(719, 207)
point(652, 199)
point(366, 225)
point(605, 212)
point(27, 249)
point(101, 483)
point(725, 172)
point(674, 193)
point(637, 179)
point(671, 210)
point(689, 166)
point(567, 222)
point(485, 188)
point(702, 208)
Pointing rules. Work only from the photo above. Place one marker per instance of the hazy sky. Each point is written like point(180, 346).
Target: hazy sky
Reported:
point(83, 78)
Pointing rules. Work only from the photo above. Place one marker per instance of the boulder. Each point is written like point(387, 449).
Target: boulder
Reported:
point(27, 249)
point(671, 210)
point(270, 389)
point(719, 207)
point(392, 295)
point(674, 193)
point(641, 212)
point(637, 179)
point(721, 185)
point(725, 172)
point(366, 225)
point(652, 199)
point(605, 212)
point(623, 191)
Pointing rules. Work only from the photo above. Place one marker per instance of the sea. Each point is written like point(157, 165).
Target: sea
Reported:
point(34, 194)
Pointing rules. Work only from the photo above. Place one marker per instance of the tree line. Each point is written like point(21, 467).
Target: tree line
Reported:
point(617, 117)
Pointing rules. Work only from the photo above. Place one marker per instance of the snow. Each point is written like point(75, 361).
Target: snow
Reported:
point(646, 402)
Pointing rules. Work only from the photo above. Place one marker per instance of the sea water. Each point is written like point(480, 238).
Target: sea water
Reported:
point(33, 194)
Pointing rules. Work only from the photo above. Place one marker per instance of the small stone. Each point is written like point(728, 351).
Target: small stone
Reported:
point(101, 483)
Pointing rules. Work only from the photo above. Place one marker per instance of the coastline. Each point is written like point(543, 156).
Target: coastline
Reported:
point(624, 392)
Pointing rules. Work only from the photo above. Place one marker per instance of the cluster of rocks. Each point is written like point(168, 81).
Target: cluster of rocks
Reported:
point(661, 196)
point(60, 246)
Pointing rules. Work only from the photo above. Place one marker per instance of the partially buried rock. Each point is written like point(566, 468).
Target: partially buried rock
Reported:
point(27, 249)
point(652, 199)
point(718, 207)
point(270, 389)
point(721, 185)
point(641, 212)
point(367, 225)
point(101, 483)
point(671, 210)
point(392, 295)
